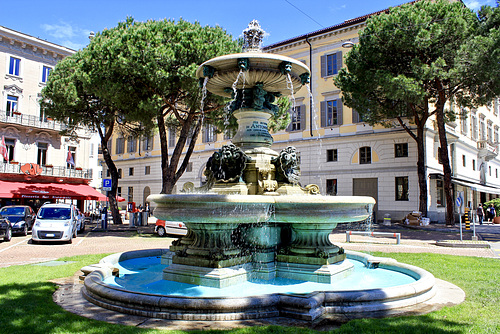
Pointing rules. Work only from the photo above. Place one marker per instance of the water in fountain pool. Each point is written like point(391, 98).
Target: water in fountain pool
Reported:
point(144, 275)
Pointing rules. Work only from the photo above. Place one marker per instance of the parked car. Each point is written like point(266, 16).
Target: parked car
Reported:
point(55, 222)
point(5, 229)
point(20, 216)
point(164, 228)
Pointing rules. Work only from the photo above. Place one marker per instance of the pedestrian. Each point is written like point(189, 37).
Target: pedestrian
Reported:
point(480, 213)
point(491, 213)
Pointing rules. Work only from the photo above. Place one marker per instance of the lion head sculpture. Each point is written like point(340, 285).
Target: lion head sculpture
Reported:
point(287, 166)
point(228, 163)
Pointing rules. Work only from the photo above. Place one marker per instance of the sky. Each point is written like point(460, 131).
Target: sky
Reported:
point(69, 23)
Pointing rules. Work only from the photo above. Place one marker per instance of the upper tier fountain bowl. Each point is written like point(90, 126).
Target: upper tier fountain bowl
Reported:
point(252, 220)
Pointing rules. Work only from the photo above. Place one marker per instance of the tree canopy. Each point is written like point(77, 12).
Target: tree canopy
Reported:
point(412, 60)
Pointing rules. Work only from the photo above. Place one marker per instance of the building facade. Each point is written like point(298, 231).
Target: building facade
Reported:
point(39, 163)
point(338, 151)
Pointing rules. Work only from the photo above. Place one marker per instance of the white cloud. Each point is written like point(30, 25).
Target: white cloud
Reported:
point(67, 35)
point(63, 30)
point(476, 4)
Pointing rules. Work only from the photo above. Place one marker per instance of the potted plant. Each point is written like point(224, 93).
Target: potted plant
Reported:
point(496, 205)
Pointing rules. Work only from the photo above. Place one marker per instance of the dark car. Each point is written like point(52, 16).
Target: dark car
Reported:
point(20, 216)
point(5, 229)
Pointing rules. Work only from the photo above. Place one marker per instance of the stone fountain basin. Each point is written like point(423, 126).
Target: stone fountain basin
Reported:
point(313, 210)
point(340, 305)
point(263, 68)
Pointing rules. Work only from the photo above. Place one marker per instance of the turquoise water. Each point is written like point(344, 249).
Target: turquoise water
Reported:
point(145, 275)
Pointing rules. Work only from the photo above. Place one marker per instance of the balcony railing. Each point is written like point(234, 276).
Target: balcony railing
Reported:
point(487, 150)
point(30, 120)
point(48, 170)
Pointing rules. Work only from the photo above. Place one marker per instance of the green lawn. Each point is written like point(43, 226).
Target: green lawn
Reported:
point(26, 304)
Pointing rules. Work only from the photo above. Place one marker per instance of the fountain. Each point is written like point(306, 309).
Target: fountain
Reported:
point(253, 221)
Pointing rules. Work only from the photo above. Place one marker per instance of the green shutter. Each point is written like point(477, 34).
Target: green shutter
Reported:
point(323, 113)
point(339, 112)
point(339, 61)
point(302, 117)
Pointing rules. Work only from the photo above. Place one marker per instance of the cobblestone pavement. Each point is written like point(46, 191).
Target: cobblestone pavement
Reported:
point(20, 250)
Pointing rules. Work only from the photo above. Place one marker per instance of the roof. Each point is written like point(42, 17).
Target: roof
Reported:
point(345, 24)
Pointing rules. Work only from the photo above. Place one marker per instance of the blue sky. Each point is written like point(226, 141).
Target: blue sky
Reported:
point(69, 23)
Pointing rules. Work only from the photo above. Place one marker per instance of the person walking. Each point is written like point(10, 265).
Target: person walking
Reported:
point(491, 213)
point(480, 213)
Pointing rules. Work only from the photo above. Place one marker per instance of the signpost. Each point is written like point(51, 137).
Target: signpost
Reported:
point(459, 201)
point(106, 184)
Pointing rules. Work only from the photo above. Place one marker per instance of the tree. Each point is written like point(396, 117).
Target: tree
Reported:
point(409, 63)
point(69, 97)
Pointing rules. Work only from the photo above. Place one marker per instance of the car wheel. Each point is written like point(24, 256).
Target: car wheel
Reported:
point(33, 241)
point(161, 231)
point(25, 230)
point(8, 235)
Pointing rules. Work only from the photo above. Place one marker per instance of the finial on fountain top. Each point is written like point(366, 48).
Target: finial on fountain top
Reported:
point(253, 37)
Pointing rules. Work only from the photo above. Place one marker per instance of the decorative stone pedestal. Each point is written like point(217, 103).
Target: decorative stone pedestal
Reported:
point(314, 273)
point(212, 277)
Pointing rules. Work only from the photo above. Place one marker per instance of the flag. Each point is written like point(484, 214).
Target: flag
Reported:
point(3, 150)
point(70, 160)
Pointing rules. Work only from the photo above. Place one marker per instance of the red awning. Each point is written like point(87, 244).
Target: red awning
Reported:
point(10, 189)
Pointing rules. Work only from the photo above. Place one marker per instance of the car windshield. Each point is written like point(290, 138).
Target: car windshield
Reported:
point(54, 213)
point(12, 211)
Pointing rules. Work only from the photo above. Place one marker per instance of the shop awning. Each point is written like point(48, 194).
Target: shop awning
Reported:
point(40, 190)
point(477, 187)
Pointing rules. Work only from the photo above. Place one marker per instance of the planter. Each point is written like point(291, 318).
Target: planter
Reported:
point(496, 220)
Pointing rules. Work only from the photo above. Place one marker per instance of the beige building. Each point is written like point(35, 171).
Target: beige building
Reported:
point(40, 165)
point(339, 152)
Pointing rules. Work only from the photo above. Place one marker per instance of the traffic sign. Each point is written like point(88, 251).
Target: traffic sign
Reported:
point(458, 201)
point(106, 184)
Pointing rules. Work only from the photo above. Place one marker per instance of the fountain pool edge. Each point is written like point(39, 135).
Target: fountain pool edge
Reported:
point(308, 307)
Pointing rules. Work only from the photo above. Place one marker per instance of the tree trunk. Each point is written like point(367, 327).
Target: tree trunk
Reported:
point(445, 160)
point(115, 213)
point(422, 177)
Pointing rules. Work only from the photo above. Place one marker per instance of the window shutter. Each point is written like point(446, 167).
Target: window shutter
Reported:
point(339, 61)
point(302, 117)
point(355, 116)
point(323, 113)
point(339, 112)
point(323, 66)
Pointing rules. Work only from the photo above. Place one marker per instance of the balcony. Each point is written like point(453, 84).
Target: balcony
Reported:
point(31, 121)
point(486, 150)
point(49, 170)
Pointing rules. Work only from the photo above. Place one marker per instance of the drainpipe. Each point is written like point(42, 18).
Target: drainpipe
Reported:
point(310, 85)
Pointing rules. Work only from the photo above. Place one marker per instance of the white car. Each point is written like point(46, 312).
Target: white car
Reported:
point(55, 222)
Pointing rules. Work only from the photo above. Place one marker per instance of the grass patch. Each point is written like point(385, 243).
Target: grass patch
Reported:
point(26, 304)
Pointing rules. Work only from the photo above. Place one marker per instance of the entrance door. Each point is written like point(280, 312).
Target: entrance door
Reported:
point(367, 187)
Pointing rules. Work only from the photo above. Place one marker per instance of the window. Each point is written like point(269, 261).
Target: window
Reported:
point(92, 147)
point(356, 117)
point(171, 137)
point(42, 154)
point(473, 125)
point(331, 187)
point(147, 170)
point(463, 121)
point(496, 173)
point(402, 188)
point(119, 191)
point(12, 103)
point(120, 145)
point(331, 113)
point(71, 158)
point(331, 155)
point(401, 150)
point(490, 132)
point(365, 155)
point(440, 193)
point(120, 173)
point(147, 143)
point(131, 144)
point(482, 128)
point(189, 167)
point(15, 66)
point(297, 119)
point(10, 144)
point(130, 194)
point(209, 135)
point(331, 64)
point(131, 171)
point(495, 135)
point(45, 73)
point(473, 164)
point(464, 160)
